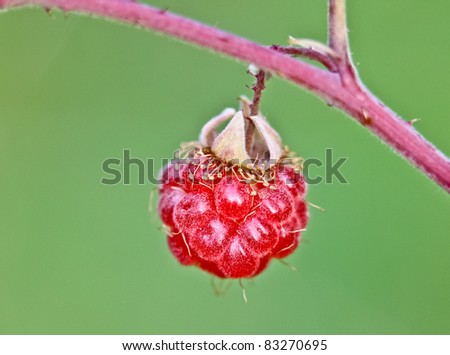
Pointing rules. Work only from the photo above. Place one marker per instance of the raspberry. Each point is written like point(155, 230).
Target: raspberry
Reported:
point(230, 218)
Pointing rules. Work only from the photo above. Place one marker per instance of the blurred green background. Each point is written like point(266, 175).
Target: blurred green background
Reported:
point(80, 257)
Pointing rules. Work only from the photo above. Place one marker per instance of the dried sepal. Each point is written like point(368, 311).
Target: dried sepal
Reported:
point(245, 140)
point(230, 145)
point(208, 132)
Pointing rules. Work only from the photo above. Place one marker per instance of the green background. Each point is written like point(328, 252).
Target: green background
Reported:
point(80, 257)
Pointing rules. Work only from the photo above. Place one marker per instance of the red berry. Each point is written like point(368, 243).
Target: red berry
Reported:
point(231, 228)
point(236, 201)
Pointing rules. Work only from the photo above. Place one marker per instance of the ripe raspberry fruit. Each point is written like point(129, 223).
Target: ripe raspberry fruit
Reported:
point(236, 200)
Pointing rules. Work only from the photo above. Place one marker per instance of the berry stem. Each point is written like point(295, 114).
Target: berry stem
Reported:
point(257, 88)
point(342, 90)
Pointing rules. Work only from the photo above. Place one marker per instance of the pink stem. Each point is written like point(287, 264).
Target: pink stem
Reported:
point(338, 41)
point(354, 99)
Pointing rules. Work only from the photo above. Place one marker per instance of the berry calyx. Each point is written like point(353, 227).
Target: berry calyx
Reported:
point(235, 200)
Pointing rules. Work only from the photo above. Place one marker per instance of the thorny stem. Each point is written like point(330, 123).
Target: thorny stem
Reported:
point(342, 89)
